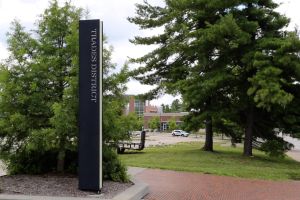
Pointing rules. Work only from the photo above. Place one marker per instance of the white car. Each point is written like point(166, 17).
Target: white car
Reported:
point(180, 133)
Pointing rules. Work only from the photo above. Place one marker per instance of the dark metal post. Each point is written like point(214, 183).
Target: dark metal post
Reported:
point(143, 138)
point(90, 105)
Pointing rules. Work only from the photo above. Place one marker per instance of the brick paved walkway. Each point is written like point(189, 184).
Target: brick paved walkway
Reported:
point(170, 185)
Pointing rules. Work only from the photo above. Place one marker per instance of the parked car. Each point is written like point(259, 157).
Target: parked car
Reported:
point(180, 133)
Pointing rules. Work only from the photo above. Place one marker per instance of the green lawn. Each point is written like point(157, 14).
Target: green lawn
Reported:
point(226, 161)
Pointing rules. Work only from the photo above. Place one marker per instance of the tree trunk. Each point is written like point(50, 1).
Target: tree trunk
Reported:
point(61, 156)
point(208, 146)
point(61, 160)
point(249, 133)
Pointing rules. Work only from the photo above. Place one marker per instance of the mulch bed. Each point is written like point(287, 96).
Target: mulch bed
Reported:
point(54, 185)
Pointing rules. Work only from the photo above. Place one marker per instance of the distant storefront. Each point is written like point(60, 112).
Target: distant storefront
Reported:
point(164, 119)
point(143, 109)
point(140, 106)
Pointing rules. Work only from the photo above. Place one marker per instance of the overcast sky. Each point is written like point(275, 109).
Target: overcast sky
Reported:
point(114, 14)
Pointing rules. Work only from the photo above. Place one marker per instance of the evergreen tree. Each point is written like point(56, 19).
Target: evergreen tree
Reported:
point(222, 57)
point(163, 107)
point(176, 106)
point(167, 109)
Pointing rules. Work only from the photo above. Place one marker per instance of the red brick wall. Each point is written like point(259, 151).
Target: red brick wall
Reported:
point(167, 118)
point(162, 119)
point(131, 104)
point(151, 109)
point(146, 121)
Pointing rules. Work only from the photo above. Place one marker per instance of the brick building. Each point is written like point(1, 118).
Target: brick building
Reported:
point(164, 118)
point(136, 105)
point(140, 106)
point(145, 110)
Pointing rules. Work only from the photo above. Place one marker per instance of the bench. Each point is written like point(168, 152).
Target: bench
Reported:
point(122, 146)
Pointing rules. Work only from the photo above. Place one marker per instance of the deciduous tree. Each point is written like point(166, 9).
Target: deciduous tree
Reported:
point(154, 123)
point(39, 96)
point(172, 124)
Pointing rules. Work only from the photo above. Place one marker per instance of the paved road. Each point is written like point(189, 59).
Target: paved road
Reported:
point(156, 138)
point(171, 185)
point(294, 141)
point(295, 154)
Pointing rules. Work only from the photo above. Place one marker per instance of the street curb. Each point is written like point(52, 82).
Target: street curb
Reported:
point(26, 197)
point(135, 192)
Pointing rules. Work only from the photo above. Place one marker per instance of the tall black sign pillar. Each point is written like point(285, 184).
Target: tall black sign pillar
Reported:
point(90, 105)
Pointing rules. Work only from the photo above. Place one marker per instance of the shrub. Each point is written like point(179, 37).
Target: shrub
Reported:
point(31, 162)
point(39, 162)
point(113, 169)
point(276, 147)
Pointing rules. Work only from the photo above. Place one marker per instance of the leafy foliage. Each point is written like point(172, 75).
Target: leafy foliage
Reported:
point(131, 122)
point(39, 96)
point(232, 62)
point(112, 166)
point(154, 123)
point(176, 106)
point(276, 148)
point(172, 124)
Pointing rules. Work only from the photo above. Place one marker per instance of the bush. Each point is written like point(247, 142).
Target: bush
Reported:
point(113, 169)
point(34, 162)
point(39, 162)
point(31, 162)
point(276, 147)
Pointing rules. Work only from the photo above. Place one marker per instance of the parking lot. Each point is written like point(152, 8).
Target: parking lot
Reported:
point(156, 138)
point(160, 138)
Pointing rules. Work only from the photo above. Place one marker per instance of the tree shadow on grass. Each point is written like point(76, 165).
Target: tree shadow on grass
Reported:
point(133, 152)
point(238, 156)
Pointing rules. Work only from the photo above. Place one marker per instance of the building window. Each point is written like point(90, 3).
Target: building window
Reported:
point(139, 107)
point(165, 126)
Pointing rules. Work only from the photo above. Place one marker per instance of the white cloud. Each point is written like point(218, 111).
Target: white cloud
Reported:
point(135, 88)
point(165, 99)
point(290, 8)
point(22, 10)
point(3, 52)
point(114, 13)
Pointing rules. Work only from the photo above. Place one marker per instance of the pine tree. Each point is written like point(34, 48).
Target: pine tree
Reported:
point(222, 56)
point(176, 106)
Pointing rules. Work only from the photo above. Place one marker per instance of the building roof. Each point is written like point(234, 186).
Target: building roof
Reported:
point(180, 114)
